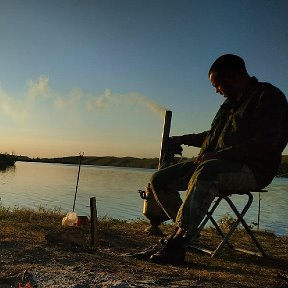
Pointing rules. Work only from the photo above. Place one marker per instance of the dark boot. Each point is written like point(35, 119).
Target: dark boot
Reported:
point(164, 240)
point(173, 252)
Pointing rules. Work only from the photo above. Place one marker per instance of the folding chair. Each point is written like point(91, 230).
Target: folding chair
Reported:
point(225, 237)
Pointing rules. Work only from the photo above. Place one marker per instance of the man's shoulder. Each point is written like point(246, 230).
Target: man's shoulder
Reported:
point(269, 88)
point(266, 90)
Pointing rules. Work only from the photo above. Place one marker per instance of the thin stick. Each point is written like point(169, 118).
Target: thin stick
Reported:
point(258, 219)
point(80, 160)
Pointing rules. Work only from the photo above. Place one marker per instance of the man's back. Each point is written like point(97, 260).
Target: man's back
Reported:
point(253, 129)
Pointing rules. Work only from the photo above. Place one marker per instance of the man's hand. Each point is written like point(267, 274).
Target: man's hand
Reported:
point(175, 144)
point(176, 140)
point(205, 157)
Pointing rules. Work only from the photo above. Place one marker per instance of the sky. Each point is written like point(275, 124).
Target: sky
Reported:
point(96, 76)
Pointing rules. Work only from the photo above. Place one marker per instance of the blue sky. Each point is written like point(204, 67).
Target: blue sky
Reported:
point(95, 76)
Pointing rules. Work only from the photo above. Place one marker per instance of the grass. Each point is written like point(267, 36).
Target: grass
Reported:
point(24, 245)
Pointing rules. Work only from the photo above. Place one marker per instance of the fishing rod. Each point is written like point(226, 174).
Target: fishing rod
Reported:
point(80, 161)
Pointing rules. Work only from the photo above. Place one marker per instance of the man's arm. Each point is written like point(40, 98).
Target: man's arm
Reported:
point(195, 139)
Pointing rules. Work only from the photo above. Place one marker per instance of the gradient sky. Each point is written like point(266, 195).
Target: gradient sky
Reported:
point(96, 76)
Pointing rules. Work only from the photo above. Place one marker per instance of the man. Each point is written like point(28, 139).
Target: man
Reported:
point(241, 151)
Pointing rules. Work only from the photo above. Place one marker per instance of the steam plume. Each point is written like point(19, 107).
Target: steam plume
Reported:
point(107, 97)
point(19, 109)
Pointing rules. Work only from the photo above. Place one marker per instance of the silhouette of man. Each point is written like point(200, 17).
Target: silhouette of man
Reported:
point(241, 151)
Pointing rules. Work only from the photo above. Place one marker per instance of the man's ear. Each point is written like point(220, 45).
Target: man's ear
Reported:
point(231, 77)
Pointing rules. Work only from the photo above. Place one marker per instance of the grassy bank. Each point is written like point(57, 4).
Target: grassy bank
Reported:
point(35, 241)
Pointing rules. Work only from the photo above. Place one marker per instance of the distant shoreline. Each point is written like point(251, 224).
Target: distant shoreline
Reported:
point(131, 162)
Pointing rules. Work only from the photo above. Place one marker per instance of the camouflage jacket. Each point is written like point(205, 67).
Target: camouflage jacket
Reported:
point(252, 130)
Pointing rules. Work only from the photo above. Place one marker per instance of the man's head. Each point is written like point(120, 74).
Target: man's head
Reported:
point(229, 76)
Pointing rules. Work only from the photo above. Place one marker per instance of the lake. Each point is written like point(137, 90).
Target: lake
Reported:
point(32, 185)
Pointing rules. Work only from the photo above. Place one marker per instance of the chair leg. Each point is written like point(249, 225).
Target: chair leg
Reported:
point(227, 236)
point(207, 218)
point(202, 225)
point(244, 223)
point(220, 232)
point(235, 224)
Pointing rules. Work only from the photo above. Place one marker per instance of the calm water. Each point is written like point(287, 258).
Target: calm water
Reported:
point(115, 189)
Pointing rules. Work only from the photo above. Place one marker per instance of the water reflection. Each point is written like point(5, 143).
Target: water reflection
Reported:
point(7, 169)
point(53, 185)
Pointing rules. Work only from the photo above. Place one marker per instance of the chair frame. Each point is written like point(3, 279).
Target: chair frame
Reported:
point(240, 219)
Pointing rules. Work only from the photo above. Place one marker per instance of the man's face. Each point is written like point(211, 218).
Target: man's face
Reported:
point(225, 86)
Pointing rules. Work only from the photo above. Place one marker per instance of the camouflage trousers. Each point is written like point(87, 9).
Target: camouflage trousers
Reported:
point(201, 183)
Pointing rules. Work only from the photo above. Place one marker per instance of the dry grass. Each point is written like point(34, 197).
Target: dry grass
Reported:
point(23, 246)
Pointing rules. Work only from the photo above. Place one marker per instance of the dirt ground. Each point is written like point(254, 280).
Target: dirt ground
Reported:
point(42, 256)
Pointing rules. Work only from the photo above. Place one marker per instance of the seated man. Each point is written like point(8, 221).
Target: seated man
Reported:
point(241, 151)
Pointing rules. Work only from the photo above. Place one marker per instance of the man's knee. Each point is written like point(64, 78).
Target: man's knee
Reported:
point(155, 179)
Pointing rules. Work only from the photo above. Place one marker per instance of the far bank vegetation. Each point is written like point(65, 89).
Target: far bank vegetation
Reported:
point(133, 162)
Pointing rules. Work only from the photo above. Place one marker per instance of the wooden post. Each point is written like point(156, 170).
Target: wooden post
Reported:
point(93, 210)
point(165, 135)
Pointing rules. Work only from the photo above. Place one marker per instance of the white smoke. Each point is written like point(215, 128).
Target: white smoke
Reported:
point(71, 101)
point(101, 101)
point(107, 98)
point(38, 88)
point(137, 98)
point(20, 109)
